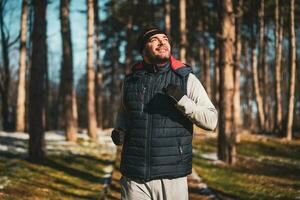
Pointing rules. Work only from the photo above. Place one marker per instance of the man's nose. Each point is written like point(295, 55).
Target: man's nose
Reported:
point(161, 41)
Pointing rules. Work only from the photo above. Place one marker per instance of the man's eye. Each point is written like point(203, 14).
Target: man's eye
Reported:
point(153, 40)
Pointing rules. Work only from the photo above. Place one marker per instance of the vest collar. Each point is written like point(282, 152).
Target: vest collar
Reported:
point(156, 69)
point(174, 63)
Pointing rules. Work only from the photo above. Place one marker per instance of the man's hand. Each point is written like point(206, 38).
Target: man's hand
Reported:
point(174, 92)
point(118, 136)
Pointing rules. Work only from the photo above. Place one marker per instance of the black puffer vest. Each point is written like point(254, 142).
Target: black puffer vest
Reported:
point(158, 142)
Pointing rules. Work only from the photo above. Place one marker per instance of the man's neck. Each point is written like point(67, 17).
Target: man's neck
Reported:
point(157, 64)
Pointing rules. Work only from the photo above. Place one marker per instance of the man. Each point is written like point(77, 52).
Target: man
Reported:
point(161, 99)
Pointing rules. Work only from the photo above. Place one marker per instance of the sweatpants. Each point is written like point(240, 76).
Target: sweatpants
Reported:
point(160, 189)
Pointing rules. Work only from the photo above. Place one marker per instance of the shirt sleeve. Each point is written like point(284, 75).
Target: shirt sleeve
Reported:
point(197, 106)
point(122, 118)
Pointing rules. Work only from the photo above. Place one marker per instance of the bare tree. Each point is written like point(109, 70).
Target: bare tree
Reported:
point(129, 33)
point(99, 68)
point(67, 72)
point(168, 17)
point(5, 71)
point(248, 91)
point(37, 82)
point(182, 30)
point(91, 114)
point(237, 60)
point(216, 76)
point(292, 73)
point(227, 136)
point(207, 79)
point(263, 81)
point(278, 56)
point(21, 96)
point(255, 79)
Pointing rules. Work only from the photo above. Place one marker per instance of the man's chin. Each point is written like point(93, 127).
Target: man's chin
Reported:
point(160, 60)
point(163, 58)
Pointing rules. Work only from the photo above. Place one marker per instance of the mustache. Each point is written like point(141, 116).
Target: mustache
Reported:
point(162, 47)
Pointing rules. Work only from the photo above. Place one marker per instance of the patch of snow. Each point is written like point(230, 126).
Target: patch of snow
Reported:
point(20, 150)
point(18, 135)
point(210, 156)
point(108, 169)
point(54, 137)
point(3, 147)
point(4, 181)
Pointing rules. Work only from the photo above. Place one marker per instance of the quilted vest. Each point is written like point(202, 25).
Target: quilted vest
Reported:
point(158, 142)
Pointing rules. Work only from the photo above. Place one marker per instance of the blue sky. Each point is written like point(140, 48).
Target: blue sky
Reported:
point(78, 30)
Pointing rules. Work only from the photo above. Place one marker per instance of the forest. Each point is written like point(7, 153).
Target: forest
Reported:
point(62, 63)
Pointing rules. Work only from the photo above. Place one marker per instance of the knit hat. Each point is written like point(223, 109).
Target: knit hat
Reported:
point(145, 35)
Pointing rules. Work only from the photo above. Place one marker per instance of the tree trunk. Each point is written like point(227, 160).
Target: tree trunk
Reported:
point(261, 58)
point(37, 82)
point(168, 18)
point(258, 98)
point(74, 108)
point(5, 82)
point(226, 139)
point(182, 30)
point(255, 79)
point(237, 73)
point(91, 115)
point(248, 119)
point(99, 72)
point(67, 72)
point(207, 78)
point(292, 72)
point(216, 79)
point(278, 56)
point(21, 96)
point(46, 114)
point(29, 50)
point(129, 40)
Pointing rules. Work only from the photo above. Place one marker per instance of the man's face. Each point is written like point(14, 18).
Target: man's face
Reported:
point(157, 49)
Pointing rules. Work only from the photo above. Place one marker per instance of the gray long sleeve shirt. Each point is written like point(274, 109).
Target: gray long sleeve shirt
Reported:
point(196, 106)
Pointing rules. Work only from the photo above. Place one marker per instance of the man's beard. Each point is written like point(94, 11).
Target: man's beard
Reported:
point(156, 59)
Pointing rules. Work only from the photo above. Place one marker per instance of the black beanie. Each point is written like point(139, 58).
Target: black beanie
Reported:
point(145, 35)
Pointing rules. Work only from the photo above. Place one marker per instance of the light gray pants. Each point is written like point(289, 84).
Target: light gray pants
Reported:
point(160, 189)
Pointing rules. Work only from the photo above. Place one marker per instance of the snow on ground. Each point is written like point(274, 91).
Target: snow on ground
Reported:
point(17, 143)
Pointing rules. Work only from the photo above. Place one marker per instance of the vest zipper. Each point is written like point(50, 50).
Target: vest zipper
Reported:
point(150, 91)
point(142, 95)
point(180, 151)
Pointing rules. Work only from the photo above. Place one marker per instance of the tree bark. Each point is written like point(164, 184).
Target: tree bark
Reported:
point(237, 60)
point(182, 30)
point(168, 18)
point(292, 72)
point(216, 79)
point(227, 139)
point(248, 119)
point(67, 72)
point(37, 82)
point(207, 79)
point(129, 33)
point(91, 115)
point(278, 57)
point(21, 96)
point(99, 68)
point(255, 79)
point(5, 76)
point(261, 58)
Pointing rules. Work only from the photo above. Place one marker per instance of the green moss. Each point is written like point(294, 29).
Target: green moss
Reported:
point(66, 176)
point(265, 170)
